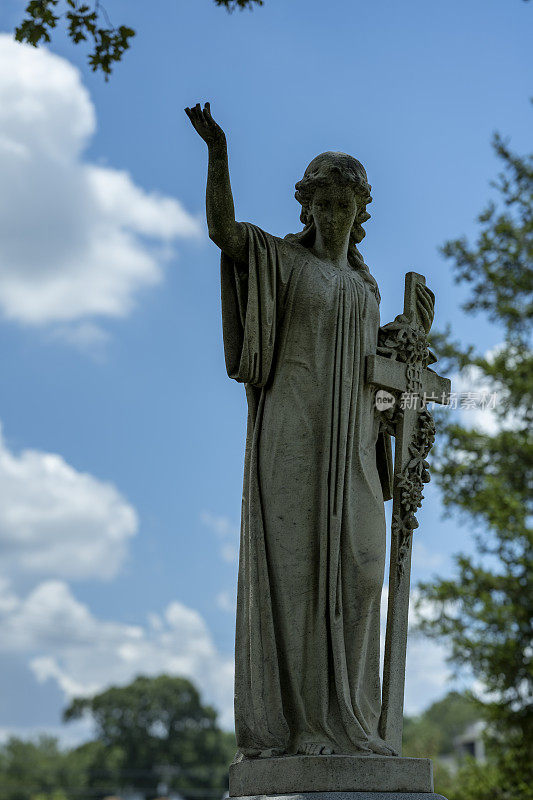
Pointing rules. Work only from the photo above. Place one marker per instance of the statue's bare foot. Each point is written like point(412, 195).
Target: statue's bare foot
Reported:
point(271, 752)
point(314, 749)
point(377, 745)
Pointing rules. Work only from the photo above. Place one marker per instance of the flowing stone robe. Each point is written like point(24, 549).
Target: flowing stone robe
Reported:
point(312, 550)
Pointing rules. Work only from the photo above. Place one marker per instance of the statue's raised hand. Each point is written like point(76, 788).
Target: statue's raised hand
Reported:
point(205, 126)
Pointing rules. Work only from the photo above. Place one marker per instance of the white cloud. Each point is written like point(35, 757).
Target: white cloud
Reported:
point(56, 521)
point(227, 601)
point(425, 558)
point(77, 240)
point(229, 553)
point(84, 335)
point(60, 523)
point(222, 526)
point(83, 654)
point(472, 381)
point(227, 532)
point(480, 399)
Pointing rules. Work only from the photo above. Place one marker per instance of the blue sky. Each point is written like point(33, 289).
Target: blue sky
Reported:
point(112, 345)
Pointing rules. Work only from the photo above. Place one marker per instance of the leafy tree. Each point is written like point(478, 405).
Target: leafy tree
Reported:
point(31, 769)
point(151, 732)
point(452, 715)
point(434, 731)
point(163, 732)
point(96, 768)
point(40, 770)
point(88, 20)
point(84, 22)
point(485, 612)
point(231, 5)
point(421, 737)
point(485, 781)
point(432, 734)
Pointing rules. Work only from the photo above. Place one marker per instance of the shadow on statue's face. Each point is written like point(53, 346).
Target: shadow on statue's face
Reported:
point(334, 205)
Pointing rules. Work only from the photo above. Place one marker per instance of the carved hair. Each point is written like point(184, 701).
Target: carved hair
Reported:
point(352, 171)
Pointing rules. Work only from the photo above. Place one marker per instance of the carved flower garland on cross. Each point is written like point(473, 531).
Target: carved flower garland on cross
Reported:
point(403, 342)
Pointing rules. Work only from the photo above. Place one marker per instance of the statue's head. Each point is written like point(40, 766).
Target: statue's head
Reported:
point(337, 181)
point(335, 190)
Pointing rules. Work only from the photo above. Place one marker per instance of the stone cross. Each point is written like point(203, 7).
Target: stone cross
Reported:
point(400, 367)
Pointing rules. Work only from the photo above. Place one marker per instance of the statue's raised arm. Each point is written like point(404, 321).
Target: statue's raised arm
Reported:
point(224, 231)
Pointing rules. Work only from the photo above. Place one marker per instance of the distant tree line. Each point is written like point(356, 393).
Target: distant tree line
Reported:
point(154, 736)
point(433, 734)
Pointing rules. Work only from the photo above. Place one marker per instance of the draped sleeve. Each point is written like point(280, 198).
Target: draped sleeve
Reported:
point(252, 300)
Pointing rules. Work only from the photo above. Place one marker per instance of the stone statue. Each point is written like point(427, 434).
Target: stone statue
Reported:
point(300, 321)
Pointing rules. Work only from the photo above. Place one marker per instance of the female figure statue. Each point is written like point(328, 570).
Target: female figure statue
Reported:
point(300, 315)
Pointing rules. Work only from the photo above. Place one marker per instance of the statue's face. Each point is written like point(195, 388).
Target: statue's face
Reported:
point(334, 203)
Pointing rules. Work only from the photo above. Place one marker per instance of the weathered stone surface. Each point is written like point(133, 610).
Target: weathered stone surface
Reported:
point(302, 331)
point(330, 774)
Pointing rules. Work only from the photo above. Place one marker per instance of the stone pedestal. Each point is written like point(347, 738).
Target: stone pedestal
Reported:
point(349, 796)
point(335, 777)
